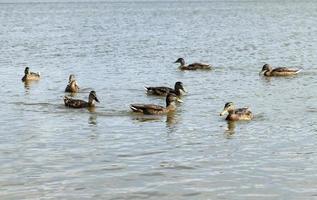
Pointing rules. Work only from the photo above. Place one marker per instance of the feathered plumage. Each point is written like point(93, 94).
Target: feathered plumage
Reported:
point(236, 114)
point(163, 91)
point(151, 109)
point(72, 85)
point(267, 70)
point(77, 103)
point(193, 66)
point(30, 76)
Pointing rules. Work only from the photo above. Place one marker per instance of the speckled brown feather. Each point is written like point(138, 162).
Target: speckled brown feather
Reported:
point(240, 114)
point(31, 77)
point(160, 91)
point(75, 103)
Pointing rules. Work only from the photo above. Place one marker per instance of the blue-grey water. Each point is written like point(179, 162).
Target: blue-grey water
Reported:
point(48, 151)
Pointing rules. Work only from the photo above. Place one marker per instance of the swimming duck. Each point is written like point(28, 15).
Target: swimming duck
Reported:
point(72, 84)
point(193, 66)
point(280, 71)
point(163, 91)
point(77, 103)
point(236, 114)
point(30, 76)
point(151, 109)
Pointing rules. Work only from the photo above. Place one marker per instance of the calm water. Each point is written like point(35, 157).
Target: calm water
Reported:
point(50, 152)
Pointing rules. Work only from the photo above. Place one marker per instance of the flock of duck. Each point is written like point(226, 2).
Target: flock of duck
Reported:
point(172, 94)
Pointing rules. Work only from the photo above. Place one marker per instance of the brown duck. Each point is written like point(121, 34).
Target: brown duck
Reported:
point(236, 114)
point(30, 76)
point(163, 91)
point(77, 103)
point(72, 84)
point(151, 109)
point(267, 70)
point(193, 66)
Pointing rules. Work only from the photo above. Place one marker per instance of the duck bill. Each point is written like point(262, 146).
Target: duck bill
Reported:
point(261, 72)
point(223, 112)
point(97, 99)
point(179, 100)
point(176, 61)
point(184, 90)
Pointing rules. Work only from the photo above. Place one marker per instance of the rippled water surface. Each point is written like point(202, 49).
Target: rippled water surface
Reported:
point(48, 151)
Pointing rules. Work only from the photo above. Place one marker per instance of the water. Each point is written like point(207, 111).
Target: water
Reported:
point(48, 151)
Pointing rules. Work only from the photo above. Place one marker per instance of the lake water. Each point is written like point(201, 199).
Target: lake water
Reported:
point(48, 151)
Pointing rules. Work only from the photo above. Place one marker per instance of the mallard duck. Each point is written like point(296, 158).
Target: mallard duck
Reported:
point(193, 66)
point(280, 71)
point(236, 114)
point(30, 76)
point(77, 103)
point(163, 91)
point(72, 84)
point(151, 109)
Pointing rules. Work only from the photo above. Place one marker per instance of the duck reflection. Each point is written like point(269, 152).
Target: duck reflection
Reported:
point(231, 125)
point(27, 84)
point(146, 118)
point(171, 119)
point(92, 120)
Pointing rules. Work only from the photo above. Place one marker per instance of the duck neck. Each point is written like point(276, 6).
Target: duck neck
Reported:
point(170, 105)
point(267, 72)
point(182, 62)
point(91, 102)
point(177, 91)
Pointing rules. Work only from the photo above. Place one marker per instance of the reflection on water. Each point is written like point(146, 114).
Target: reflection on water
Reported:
point(171, 119)
point(146, 118)
point(231, 125)
point(92, 119)
point(27, 84)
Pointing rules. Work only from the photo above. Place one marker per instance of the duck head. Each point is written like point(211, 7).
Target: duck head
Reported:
point(93, 97)
point(265, 68)
point(171, 99)
point(227, 108)
point(180, 60)
point(179, 87)
point(27, 70)
point(71, 78)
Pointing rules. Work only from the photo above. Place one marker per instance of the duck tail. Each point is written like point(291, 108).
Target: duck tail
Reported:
point(134, 109)
point(298, 71)
point(66, 99)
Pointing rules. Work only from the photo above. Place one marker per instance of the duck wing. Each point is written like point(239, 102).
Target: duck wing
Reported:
point(35, 74)
point(284, 71)
point(75, 103)
point(147, 108)
point(242, 111)
point(162, 91)
point(195, 66)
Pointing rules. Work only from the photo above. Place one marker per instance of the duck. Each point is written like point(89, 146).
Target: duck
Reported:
point(163, 91)
point(193, 66)
point(151, 109)
point(77, 103)
point(30, 76)
point(236, 114)
point(267, 70)
point(72, 85)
